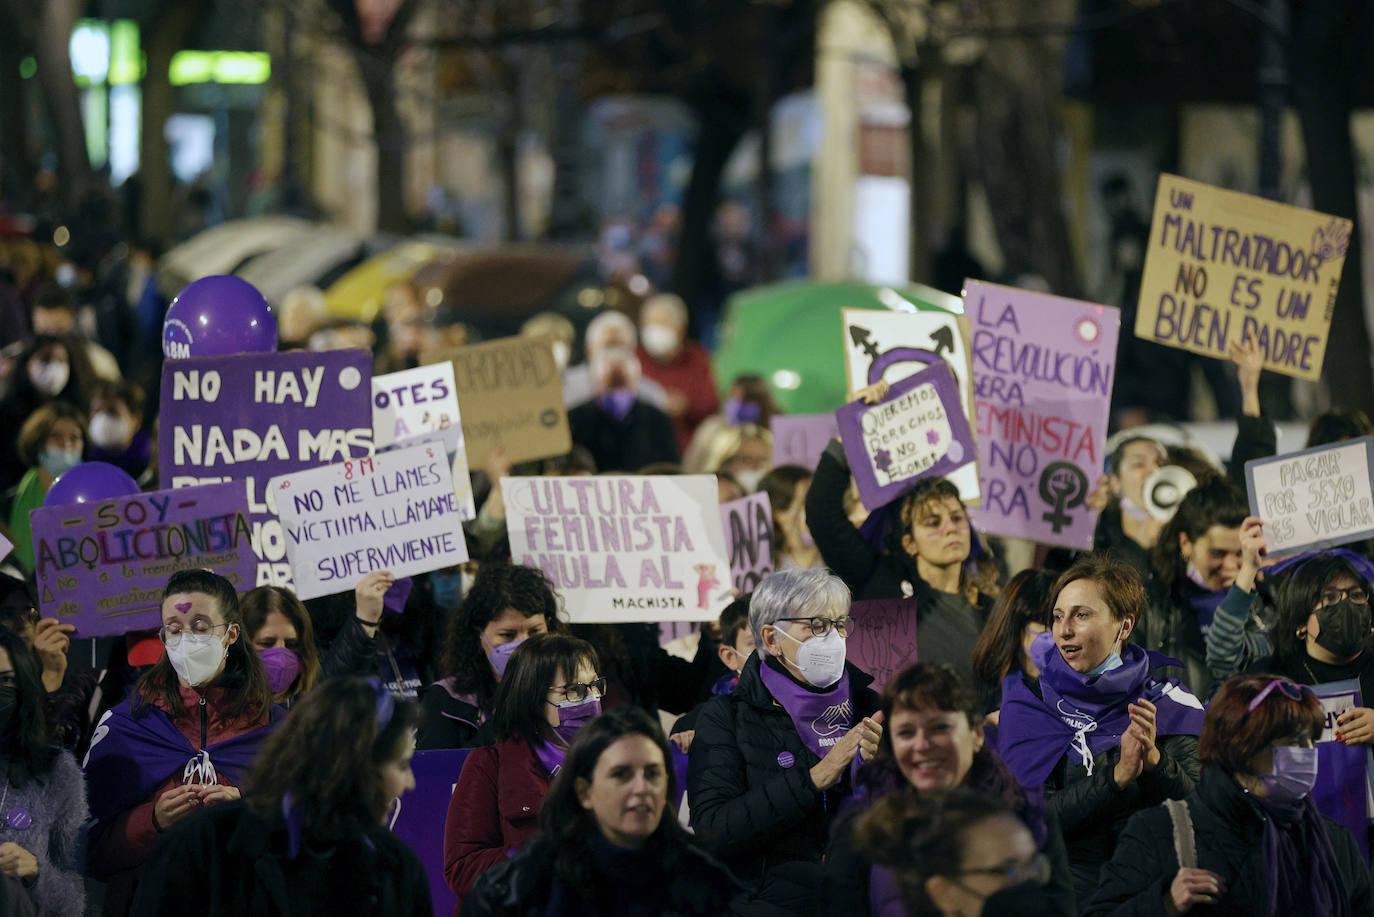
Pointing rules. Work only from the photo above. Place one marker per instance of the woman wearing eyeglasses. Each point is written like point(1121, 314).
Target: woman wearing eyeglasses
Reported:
point(1321, 629)
point(1262, 849)
point(1102, 733)
point(311, 834)
point(771, 763)
point(933, 743)
point(960, 853)
point(551, 689)
point(185, 738)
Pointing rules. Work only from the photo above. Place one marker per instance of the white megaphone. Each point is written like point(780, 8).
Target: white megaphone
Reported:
point(1165, 490)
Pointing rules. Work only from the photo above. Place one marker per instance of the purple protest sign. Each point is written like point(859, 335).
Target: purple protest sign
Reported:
point(1042, 379)
point(883, 641)
point(420, 820)
point(251, 417)
point(102, 566)
point(748, 524)
point(799, 439)
point(918, 431)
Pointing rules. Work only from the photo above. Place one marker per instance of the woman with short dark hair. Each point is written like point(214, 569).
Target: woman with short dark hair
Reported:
point(186, 737)
point(1102, 733)
point(1262, 849)
point(310, 836)
point(551, 689)
point(608, 842)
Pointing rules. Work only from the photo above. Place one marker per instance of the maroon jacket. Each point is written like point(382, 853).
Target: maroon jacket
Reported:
point(493, 812)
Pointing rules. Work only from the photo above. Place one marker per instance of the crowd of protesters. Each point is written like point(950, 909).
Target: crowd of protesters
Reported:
point(1130, 730)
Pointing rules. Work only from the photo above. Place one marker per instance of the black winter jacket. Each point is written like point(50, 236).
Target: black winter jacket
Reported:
point(1227, 828)
point(1170, 627)
point(754, 804)
point(525, 886)
point(642, 437)
point(228, 861)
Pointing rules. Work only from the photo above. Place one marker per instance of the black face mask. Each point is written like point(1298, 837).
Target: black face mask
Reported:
point(1344, 628)
point(1029, 899)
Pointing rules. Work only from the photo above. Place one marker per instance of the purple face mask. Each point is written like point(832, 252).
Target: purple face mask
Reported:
point(617, 402)
point(282, 665)
point(573, 716)
point(738, 411)
point(500, 655)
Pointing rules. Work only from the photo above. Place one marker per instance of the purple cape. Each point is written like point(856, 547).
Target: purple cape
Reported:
point(131, 756)
point(1084, 716)
point(820, 717)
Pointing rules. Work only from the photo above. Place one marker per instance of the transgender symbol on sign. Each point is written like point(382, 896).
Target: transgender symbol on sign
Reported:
point(1063, 485)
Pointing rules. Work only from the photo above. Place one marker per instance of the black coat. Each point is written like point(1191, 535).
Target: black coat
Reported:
point(525, 886)
point(1092, 810)
point(1228, 829)
point(1170, 627)
point(228, 861)
point(763, 817)
point(642, 437)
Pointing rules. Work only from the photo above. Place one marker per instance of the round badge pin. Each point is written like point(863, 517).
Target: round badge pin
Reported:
point(18, 818)
point(786, 759)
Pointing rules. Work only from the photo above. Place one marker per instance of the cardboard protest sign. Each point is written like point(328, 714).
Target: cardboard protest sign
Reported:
point(892, 345)
point(748, 524)
point(1043, 368)
point(510, 392)
point(799, 439)
point(919, 430)
point(624, 547)
point(394, 511)
point(1345, 773)
point(1223, 266)
point(1316, 498)
point(419, 818)
point(102, 566)
point(251, 417)
point(883, 641)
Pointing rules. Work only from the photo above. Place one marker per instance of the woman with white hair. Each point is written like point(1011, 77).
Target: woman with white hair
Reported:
point(619, 429)
point(772, 762)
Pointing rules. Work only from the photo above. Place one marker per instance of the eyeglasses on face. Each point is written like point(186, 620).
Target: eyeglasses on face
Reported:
point(1357, 594)
point(1290, 689)
point(1036, 869)
point(171, 633)
point(577, 690)
point(821, 626)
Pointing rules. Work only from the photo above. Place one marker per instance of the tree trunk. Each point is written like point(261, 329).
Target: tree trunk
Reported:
point(156, 216)
point(720, 125)
point(566, 217)
point(56, 19)
point(1325, 59)
point(923, 169)
point(508, 141)
point(378, 72)
point(16, 166)
point(1017, 98)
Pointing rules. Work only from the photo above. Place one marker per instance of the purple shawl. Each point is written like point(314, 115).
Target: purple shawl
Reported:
point(1082, 715)
point(820, 717)
point(131, 755)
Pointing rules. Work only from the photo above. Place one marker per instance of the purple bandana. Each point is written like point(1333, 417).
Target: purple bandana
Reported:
point(821, 717)
point(1361, 563)
point(131, 755)
point(1081, 715)
point(551, 756)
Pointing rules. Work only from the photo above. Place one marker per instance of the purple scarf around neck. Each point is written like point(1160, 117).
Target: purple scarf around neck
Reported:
point(820, 717)
point(551, 756)
point(1081, 715)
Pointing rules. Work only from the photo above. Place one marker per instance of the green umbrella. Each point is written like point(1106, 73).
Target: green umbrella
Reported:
point(791, 334)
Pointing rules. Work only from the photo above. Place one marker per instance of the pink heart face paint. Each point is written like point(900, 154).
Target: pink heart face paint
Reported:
point(182, 607)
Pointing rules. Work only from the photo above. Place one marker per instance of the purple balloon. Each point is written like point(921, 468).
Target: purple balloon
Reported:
point(90, 482)
point(217, 316)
